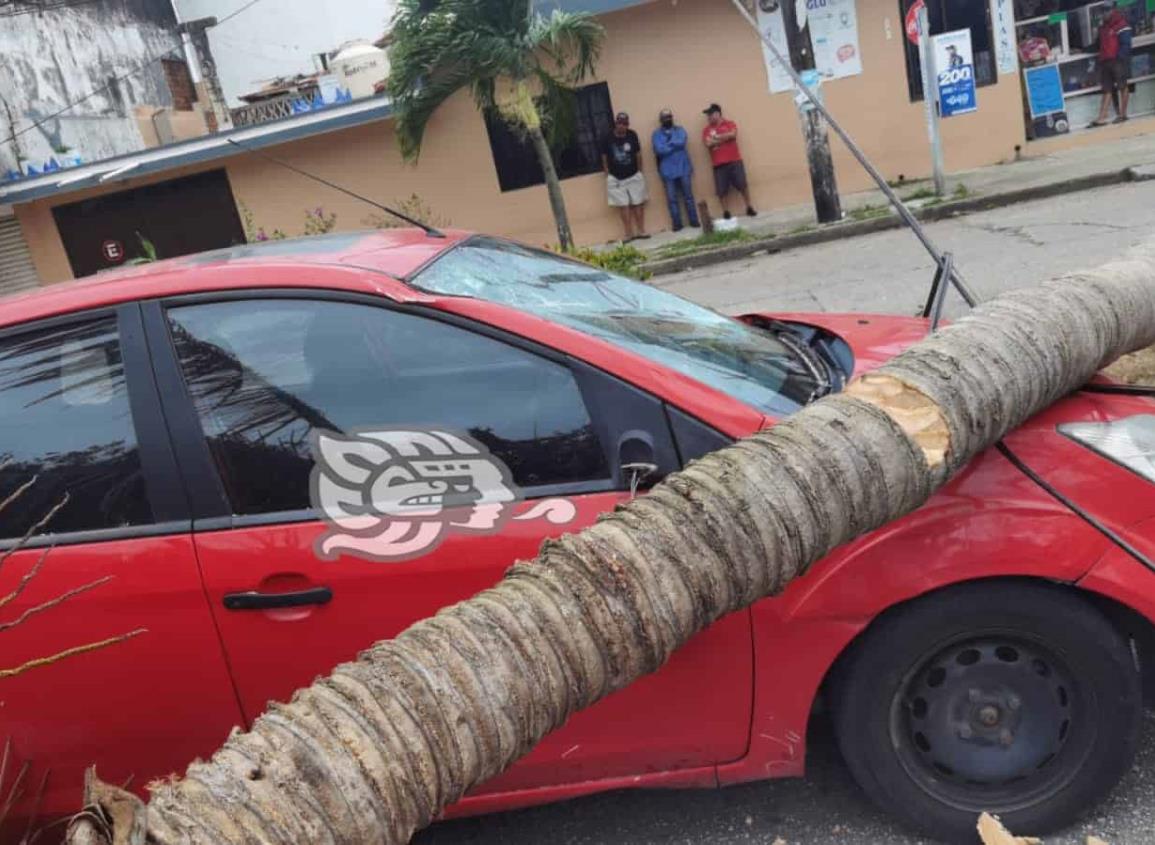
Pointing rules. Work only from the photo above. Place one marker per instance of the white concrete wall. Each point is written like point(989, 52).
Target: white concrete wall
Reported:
point(56, 57)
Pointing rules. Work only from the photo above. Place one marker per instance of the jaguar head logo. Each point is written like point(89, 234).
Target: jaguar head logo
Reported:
point(392, 494)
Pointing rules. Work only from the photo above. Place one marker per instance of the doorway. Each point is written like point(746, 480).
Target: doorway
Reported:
point(177, 217)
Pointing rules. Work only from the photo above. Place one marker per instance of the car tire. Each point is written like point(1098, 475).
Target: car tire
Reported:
point(1014, 697)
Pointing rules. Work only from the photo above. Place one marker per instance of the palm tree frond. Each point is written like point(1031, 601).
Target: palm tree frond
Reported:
point(557, 104)
point(571, 41)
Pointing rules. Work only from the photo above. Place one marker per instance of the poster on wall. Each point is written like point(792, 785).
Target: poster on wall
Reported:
point(771, 23)
point(1003, 27)
point(955, 69)
point(834, 34)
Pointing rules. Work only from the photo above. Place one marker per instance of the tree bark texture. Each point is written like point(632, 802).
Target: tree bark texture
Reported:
point(553, 188)
point(375, 750)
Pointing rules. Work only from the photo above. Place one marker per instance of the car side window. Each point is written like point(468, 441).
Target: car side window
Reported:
point(264, 373)
point(66, 430)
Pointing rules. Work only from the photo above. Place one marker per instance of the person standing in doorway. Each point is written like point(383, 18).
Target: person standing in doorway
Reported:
point(676, 169)
point(1114, 65)
point(721, 137)
point(625, 184)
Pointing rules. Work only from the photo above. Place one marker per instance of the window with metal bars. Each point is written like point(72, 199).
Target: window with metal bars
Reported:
point(514, 156)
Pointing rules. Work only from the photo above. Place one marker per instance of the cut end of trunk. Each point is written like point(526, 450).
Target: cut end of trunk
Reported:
point(912, 410)
point(111, 816)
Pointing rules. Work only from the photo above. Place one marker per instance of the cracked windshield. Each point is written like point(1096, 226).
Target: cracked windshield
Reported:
point(744, 362)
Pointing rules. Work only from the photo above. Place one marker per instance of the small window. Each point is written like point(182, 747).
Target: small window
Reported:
point(66, 429)
point(514, 156)
point(264, 373)
point(947, 16)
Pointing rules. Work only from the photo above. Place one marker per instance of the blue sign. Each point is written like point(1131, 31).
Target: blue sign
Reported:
point(1044, 90)
point(956, 90)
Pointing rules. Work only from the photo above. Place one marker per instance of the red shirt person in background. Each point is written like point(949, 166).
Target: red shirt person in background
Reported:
point(721, 137)
point(1114, 65)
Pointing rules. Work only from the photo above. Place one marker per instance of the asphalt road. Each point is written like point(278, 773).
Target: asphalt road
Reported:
point(885, 273)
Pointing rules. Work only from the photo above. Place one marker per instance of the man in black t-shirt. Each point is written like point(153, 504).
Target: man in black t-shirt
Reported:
point(625, 184)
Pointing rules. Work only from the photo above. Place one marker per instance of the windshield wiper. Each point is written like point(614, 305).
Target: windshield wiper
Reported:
point(811, 359)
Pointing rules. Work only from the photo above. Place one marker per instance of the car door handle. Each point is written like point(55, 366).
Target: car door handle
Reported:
point(252, 600)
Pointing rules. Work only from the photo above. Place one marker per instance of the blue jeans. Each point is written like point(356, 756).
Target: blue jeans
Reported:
point(684, 185)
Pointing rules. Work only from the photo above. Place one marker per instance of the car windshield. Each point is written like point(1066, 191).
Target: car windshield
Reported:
point(742, 361)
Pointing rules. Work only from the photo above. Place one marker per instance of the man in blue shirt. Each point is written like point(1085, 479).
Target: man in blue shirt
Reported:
point(675, 168)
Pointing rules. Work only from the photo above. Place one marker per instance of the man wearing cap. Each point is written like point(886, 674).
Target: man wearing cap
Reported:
point(721, 137)
point(625, 184)
point(676, 169)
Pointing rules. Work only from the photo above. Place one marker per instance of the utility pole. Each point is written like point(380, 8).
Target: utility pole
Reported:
point(827, 205)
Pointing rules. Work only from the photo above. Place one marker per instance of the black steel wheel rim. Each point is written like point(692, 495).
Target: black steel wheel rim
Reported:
point(993, 721)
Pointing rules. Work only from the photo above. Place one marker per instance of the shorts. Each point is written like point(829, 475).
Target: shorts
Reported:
point(732, 174)
point(623, 192)
point(1113, 74)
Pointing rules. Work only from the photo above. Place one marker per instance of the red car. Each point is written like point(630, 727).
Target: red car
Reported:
point(275, 455)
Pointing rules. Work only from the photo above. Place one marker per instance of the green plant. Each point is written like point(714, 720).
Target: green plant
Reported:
point(705, 242)
point(148, 250)
point(317, 222)
point(868, 212)
point(961, 191)
point(414, 207)
point(247, 224)
point(920, 194)
point(623, 259)
point(516, 62)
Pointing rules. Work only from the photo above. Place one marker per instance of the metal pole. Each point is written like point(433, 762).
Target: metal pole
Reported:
point(899, 206)
point(930, 99)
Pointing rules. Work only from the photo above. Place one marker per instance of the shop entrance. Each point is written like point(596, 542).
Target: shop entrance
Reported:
point(177, 217)
point(1058, 45)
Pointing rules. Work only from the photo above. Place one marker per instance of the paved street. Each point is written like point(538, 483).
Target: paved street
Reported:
point(890, 272)
point(887, 272)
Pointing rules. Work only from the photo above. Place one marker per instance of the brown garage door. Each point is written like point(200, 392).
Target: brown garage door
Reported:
point(180, 216)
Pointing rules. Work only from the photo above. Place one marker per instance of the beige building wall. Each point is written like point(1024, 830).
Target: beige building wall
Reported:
point(678, 53)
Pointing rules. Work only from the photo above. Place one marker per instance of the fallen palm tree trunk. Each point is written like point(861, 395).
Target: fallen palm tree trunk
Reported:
point(375, 750)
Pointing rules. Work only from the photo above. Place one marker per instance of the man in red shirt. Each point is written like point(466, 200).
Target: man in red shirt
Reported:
point(1114, 65)
point(721, 137)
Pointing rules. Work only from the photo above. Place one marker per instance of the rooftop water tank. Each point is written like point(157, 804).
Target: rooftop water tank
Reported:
point(358, 65)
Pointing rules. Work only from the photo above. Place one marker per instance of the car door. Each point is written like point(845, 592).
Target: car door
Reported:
point(108, 653)
point(410, 393)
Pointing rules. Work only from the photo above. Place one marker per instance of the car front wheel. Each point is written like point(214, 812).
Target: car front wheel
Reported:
point(1018, 698)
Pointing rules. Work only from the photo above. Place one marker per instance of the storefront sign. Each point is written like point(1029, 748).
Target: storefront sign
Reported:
point(1044, 90)
point(771, 23)
point(112, 251)
point(834, 35)
point(955, 69)
point(911, 23)
point(1003, 27)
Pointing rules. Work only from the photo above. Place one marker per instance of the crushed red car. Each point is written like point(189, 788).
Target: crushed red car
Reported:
point(274, 455)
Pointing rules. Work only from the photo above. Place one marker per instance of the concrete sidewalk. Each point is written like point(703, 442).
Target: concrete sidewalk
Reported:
point(1030, 178)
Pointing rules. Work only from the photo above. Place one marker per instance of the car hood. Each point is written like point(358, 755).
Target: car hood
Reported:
point(873, 338)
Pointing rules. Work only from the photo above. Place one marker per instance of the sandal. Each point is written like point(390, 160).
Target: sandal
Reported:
point(1095, 123)
point(1120, 119)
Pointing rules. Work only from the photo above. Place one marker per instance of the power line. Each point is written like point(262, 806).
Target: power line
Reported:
point(117, 79)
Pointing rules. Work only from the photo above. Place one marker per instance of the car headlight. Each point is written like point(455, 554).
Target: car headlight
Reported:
point(1130, 441)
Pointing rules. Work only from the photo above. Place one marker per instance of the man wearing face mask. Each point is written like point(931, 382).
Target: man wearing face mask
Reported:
point(676, 169)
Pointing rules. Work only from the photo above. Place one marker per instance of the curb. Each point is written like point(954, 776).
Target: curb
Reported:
point(853, 229)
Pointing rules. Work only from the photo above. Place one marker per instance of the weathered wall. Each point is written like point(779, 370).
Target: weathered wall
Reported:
point(656, 55)
point(55, 57)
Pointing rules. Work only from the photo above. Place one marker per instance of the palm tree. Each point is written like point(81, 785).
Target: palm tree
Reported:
point(514, 61)
point(375, 750)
